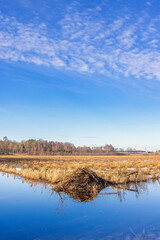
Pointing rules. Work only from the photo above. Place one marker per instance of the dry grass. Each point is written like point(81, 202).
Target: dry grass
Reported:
point(62, 171)
point(53, 169)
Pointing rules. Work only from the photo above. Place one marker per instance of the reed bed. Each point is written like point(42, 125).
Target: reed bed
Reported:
point(82, 177)
point(53, 169)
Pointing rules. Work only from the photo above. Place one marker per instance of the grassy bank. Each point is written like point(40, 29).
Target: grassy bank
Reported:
point(83, 177)
point(53, 169)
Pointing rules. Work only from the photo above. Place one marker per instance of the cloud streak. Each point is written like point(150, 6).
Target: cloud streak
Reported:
point(86, 42)
point(2, 110)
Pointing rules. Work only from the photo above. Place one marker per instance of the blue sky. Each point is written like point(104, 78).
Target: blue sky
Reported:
point(86, 72)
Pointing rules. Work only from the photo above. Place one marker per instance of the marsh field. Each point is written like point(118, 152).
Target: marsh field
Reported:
point(80, 197)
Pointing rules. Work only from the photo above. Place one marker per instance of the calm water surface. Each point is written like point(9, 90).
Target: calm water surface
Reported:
point(36, 213)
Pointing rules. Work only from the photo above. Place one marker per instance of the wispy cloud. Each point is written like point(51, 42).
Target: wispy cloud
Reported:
point(87, 42)
point(2, 110)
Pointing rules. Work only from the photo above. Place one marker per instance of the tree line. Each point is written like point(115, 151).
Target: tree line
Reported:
point(43, 147)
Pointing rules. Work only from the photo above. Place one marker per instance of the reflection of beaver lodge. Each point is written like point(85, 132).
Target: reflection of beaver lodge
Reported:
point(83, 185)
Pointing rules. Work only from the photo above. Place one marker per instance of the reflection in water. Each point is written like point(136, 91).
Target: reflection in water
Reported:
point(90, 193)
point(85, 186)
point(114, 212)
point(141, 236)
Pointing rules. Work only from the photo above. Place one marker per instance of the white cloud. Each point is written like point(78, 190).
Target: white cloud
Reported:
point(86, 44)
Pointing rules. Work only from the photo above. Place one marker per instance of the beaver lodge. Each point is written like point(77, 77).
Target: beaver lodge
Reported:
point(82, 185)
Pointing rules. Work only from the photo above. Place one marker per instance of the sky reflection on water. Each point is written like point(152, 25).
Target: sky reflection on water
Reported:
point(35, 213)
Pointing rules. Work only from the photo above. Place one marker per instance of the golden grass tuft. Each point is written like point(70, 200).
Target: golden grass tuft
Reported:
point(56, 169)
